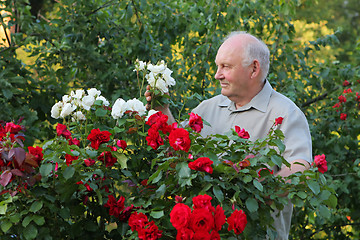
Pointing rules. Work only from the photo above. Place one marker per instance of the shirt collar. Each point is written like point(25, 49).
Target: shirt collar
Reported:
point(259, 102)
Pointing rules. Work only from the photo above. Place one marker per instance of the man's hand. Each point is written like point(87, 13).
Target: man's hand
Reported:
point(162, 108)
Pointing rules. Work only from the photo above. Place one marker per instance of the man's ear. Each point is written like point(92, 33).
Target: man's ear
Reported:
point(255, 71)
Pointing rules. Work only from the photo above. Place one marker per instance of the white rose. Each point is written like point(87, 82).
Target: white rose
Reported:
point(139, 65)
point(66, 98)
point(156, 69)
point(151, 112)
point(78, 94)
point(137, 106)
point(94, 92)
point(156, 82)
point(103, 99)
point(118, 109)
point(87, 102)
point(170, 81)
point(67, 110)
point(56, 109)
point(78, 116)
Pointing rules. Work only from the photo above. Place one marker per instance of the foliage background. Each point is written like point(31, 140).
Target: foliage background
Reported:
point(57, 46)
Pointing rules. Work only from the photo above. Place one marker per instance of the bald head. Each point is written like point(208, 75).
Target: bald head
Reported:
point(250, 48)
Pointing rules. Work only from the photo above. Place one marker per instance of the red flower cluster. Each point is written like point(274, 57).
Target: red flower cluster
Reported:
point(122, 144)
point(343, 99)
point(157, 122)
point(195, 122)
point(203, 222)
point(15, 162)
point(107, 157)
point(242, 133)
point(202, 164)
point(115, 206)
point(61, 130)
point(237, 221)
point(321, 163)
point(97, 137)
point(70, 158)
point(179, 139)
point(146, 230)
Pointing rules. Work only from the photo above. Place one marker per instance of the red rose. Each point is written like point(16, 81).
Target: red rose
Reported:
point(219, 218)
point(237, 221)
point(321, 163)
point(74, 141)
point(278, 120)
point(158, 121)
point(108, 158)
point(98, 137)
point(61, 130)
point(179, 139)
point(13, 128)
point(180, 216)
point(203, 201)
point(202, 164)
point(343, 116)
point(342, 99)
point(89, 162)
point(115, 206)
point(185, 234)
point(336, 105)
point(69, 159)
point(215, 235)
point(137, 221)
point(124, 216)
point(122, 144)
point(153, 138)
point(149, 232)
point(346, 83)
point(201, 235)
point(201, 220)
point(37, 153)
point(242, 133)
point(195, 122)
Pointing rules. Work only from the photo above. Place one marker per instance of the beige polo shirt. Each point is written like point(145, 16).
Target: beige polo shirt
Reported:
point(257, 117)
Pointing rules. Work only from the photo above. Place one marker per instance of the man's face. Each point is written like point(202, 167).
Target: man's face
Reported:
point(233, 77)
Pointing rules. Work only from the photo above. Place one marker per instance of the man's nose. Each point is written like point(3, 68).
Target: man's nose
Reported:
point(218, 74)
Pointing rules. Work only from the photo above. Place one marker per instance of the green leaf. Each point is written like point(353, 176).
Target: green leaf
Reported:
point(30, 232)
point(39, 220)
point(5, 225)
point(122, 159)
point(27, 220)
point(218, 193)
point(302, 195)
point(258, 185)
point(247, 178)
point(36, 206)
point(157, 214)
point(69, 172)
point(3, 209)
point(161, 191)
point(251, 204)
point(45, 169)
point(100, 112)
point(331, 201)
point(277, 160)
point(324, 211)
point(314, 186)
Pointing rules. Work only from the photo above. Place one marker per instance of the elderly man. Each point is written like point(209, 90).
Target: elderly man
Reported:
point(248, 100)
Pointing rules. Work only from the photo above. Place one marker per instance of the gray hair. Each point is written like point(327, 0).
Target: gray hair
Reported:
point(254, 50)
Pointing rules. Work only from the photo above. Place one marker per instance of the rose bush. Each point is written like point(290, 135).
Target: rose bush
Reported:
point(121, 172)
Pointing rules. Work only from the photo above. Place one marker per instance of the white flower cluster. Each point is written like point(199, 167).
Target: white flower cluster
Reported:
point(121, 106)
point(159, 76)
point(77, 100)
